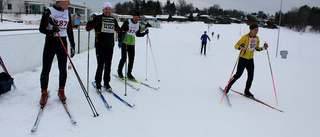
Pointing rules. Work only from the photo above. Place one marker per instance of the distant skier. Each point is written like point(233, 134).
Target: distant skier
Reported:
point(53, 46)
point(248, 43)
point(129, 30)
point(212, 34)
point(204, 38)
point(104, 26)
point(218, 36)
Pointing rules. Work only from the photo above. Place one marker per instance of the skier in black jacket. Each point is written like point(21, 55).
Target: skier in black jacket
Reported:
point(104, 26)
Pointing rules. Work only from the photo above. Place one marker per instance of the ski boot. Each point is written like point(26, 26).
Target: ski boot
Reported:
point(107, 87)
point(61, 94)
point(131, 77)
point(44, 97)
point(120, 74)
point(248, 94)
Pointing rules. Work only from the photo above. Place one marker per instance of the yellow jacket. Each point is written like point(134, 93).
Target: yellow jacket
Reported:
point(251, 44)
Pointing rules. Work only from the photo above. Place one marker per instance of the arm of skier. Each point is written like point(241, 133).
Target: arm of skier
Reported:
point(117, 27)
point(44, 23)
point(241, 43)
point(258, 48)
point(141, 34)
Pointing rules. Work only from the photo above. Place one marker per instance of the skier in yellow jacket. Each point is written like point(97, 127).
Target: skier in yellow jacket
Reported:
point(247, 44)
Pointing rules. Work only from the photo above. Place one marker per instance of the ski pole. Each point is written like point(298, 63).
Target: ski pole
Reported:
point(5, 69)
point(126, 69)
point(88, 61)
point(274, 87)
point(95, 113)
point(225, 90)
point(147, 59)
point(154, 62)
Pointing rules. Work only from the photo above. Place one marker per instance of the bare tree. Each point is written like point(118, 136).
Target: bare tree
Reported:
point(3, 3)
point(20, 6)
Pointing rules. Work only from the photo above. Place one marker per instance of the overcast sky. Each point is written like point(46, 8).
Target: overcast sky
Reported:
point(267, 6)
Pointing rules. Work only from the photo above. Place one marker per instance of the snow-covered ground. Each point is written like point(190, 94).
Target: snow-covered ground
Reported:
point(188, 101)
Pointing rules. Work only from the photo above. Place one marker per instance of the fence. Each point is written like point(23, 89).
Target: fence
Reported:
point(22, 51)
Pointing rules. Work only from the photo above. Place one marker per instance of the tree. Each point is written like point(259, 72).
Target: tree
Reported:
point(170, 8)
point(184, 8)
point(3, 3)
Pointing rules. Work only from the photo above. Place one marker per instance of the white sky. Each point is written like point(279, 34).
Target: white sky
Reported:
point(267, 6)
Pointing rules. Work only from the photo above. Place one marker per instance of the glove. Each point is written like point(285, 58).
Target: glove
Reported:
point(242, 46)
point(265, 46)
point(119, 44)
point(146, 32)
point(55, 28)
point(148, 25)
point(88, 27)
point(72, 50)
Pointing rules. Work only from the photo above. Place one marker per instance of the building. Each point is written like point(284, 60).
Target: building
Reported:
point(38, 7)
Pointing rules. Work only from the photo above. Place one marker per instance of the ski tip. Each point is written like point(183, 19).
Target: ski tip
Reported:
point(277, 105)
point(220, 103)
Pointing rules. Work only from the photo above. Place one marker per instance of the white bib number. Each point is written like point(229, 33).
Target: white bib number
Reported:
point(108, 27)
point(252, 43)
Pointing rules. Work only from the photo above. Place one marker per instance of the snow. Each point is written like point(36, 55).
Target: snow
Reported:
point(188, 101)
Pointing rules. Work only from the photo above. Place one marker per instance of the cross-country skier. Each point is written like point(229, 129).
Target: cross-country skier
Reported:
point(204, 38)
point(129, 29)
point(104, 26)
point(248, 43)
point(53, 46)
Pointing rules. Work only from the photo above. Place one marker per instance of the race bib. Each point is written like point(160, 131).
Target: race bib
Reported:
point(252, 43)
point(108, 25)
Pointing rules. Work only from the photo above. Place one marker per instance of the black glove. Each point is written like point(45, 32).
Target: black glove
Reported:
point(125, 29)
point(72, 48)
point(89, 23)
point(55, 28)
point(146, 32)
point(265, 46)
point(242, 46)
point(148, 25)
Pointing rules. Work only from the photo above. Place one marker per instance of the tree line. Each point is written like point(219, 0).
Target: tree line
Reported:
point(297, 18)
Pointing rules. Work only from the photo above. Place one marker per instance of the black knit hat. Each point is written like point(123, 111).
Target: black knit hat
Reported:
point(253, 26)
point(136, 13)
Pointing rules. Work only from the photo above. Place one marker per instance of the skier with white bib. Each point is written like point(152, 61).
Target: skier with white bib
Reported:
point(129, 30)
point(56, 19)
point(248, 44)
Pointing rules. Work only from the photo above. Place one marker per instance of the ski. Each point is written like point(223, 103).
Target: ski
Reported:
point(257, 100)
point(102, 97)
point(133, 87)
point(134, 80)
point(36, 123)
point(226, 96)
point(123, 101)
point(67, 110)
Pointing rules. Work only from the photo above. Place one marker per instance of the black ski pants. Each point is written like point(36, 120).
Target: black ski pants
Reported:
point(54, 47)
point(204, 47)
point(104, 60)
point(130, 49)
point(244, 64)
